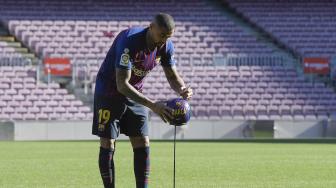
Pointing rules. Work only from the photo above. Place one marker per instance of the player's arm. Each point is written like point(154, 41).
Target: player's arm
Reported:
point(123, 67)
point(174, 79)
point(169, 68)
point(176, 82)
point(122, 78)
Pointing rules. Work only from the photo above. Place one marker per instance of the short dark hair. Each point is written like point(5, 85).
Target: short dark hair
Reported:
point(165, 20)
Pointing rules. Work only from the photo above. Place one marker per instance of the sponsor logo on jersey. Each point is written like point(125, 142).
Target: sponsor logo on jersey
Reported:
point(139, 72)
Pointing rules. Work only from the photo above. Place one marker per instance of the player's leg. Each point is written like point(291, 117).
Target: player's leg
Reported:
point(106, 162)
point(134, 124)
point(107, 111)
point(140, 146)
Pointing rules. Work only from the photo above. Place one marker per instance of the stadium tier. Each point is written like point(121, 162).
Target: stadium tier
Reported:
point(84, 30)
point(9, 56)
point(67, 32)
point(22, 98)
point(7, 50)
point(249, 92)
point(86, 39)
point(307, 27)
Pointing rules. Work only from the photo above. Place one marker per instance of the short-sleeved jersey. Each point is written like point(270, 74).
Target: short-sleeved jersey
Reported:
point(129, 51)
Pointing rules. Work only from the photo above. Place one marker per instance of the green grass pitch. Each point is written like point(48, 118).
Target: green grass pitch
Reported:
point(199, 165)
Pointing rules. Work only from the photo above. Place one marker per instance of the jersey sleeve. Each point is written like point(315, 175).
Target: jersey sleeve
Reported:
point(123, 57)
point(167, 58)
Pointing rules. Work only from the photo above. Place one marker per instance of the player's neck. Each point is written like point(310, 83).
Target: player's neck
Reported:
point(149, 42)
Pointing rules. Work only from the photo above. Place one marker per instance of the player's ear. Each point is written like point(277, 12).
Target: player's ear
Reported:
point(151, 26)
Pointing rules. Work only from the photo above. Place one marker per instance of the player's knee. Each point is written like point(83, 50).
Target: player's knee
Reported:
point(139, 142)
point(107, 143)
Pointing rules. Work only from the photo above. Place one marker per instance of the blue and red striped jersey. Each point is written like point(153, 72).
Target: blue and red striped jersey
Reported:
point(129, 51)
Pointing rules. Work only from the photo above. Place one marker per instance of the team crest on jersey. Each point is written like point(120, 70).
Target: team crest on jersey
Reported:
point(124, 60)
point(101, 127)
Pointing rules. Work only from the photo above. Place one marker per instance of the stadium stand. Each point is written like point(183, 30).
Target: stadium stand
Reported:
point(249, 92)
point(22, 98)
point(84, 31)
point(194, 41)
point(9, 55)
point(307, 27)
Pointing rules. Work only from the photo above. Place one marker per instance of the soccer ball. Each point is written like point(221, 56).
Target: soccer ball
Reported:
point(181, 111)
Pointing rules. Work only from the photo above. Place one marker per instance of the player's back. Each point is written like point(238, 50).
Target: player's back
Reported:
point(130, 51)
point(106, 79)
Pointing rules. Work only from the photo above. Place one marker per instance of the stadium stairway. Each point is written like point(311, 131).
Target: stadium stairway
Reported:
point(293, 57)
point(17, 45)
point(254, 30)
point(278, 47)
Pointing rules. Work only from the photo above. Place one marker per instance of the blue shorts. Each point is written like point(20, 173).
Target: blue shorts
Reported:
point(112, 116)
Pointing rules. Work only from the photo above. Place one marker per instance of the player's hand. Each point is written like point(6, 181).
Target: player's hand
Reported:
point(163, 111)
point(186, 93)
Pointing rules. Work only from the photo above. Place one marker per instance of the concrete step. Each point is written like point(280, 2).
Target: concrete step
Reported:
point(7, 38)
point(21, 50)
point(28, 55)
point(34, 61)
point(18, 46)
point(14, 44)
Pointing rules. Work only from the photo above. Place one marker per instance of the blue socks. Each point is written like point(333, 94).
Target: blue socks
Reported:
point(141, 166)
point(106, 167)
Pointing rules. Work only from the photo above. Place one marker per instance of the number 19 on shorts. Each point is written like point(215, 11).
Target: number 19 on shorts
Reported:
point(104, 117)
